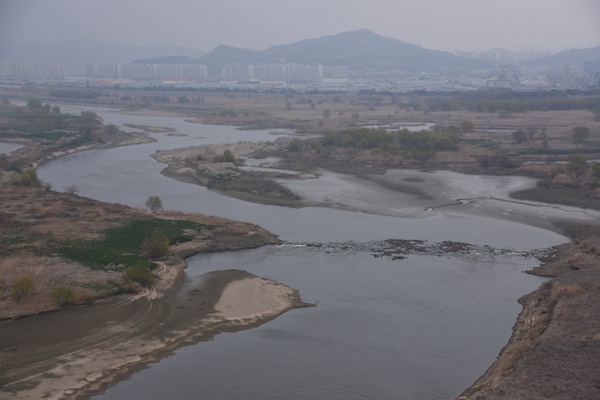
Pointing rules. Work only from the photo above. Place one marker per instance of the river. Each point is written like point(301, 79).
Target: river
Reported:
point(422, 327)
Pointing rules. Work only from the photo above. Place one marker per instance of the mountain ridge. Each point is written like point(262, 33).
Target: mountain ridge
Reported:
point(358, 49)
point(569, 57)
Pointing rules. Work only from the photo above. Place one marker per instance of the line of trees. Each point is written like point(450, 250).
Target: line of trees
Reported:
point(514, 103)
point(423, 144)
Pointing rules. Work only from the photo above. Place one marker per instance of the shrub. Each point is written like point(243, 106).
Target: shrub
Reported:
point(596, 169)
point(72, 189)
point(139, 274)
point(29, 178)
point(22, 288)
point(228, 156)
point(156, 246)
point(467, 126)
point(295, 145)
point(63, 295)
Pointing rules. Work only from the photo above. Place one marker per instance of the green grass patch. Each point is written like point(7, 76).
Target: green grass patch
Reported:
point(54, 136)
point(122, 245)
point(24, 128)
point(483, 143)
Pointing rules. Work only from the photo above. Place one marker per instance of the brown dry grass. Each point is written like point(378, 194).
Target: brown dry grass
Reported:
point(34, 221)
point(555, 347)
point(47, 273)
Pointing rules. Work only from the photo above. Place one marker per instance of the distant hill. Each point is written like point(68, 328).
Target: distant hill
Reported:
point(357, 49)
point(568, 57)
point(80, 52)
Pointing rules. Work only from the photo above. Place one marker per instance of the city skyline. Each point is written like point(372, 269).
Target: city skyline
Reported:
point(465, 25)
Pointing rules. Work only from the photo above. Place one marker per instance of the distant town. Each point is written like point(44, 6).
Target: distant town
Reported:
point(349, 62)
point(303, 77)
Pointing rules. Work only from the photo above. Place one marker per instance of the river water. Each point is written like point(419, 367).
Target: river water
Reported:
point(7, 148)
point(424, 327)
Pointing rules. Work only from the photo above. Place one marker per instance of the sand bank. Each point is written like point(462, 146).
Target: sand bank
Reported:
point(83, 350)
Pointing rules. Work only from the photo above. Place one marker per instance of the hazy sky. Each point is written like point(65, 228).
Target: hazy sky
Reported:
point(551, 25)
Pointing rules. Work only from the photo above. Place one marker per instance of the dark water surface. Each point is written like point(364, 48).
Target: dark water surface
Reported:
point(421, 328)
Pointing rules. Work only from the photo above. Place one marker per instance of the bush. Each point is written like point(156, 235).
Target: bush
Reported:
point(22, 288)
point(228, 156)
point(29, 178)
point(295, 145)
point(33, 103)
point(596, 169)
point(156, 246)
point(139, 274)
point(63, 295)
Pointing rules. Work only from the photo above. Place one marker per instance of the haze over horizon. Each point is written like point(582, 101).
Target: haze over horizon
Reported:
point(465, 25)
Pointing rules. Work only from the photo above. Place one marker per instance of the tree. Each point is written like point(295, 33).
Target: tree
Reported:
point(72, 189)
point(531, 131)
point(354, 116)
point(596, 169)
point(580, 133)
point(34, 103)
point(56, 110)
point(183, 99)
point(111, 129)
point(467, 126)
point(576, 167)
point(327, 113)
point(154, 203)
point(519, 136)
point(295, 145)
point(88, 117)
point(316, 146)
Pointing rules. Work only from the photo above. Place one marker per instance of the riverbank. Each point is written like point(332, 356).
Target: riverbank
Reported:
point(83, 350)
point(554, 349)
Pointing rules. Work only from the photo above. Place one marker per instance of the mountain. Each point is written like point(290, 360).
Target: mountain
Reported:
point(365, 49)
point(80, 52)
point(357, 49)
point(569, 57)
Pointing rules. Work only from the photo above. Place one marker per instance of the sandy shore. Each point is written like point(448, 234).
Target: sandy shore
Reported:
point(82, 350)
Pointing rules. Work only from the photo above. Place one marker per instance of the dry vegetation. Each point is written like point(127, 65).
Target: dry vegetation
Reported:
point(555, 347)
point(37, 223)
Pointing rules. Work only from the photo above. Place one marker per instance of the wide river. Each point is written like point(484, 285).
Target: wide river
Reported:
point(424, 327)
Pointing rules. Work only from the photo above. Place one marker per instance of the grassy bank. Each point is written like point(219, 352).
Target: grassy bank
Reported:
point(121, 246)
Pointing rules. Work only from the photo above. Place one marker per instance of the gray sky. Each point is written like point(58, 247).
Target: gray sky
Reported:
point(551, 25)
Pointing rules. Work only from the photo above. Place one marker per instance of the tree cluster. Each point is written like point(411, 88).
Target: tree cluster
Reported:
point(423, 144)
point(510, 102)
